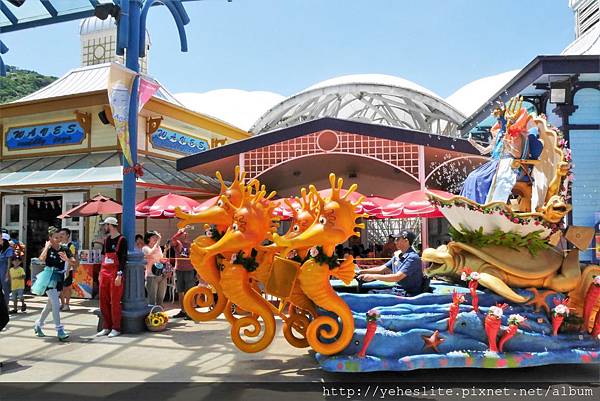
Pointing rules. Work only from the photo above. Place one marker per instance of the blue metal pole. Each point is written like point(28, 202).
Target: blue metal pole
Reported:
point(135, 305)
point(132, 62)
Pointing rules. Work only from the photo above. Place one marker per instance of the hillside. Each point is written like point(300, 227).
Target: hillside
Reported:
point(19, 83)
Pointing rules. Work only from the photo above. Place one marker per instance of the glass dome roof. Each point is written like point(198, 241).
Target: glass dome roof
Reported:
point(374, 98)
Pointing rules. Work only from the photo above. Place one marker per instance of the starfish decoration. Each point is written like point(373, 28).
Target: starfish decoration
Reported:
point(433, 341)
point(538, 299)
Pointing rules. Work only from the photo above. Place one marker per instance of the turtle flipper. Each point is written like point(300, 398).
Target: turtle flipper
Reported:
point(500, 287)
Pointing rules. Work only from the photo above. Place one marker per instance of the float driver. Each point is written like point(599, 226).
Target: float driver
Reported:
point(404, 268)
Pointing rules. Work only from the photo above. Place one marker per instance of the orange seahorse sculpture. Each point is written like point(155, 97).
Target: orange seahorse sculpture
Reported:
point(252, 224)
point(221, 215)
point(335, 223)
point(301, 308)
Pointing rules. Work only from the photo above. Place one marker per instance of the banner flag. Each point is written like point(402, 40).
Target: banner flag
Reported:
point(120, 81)
point(148, 87)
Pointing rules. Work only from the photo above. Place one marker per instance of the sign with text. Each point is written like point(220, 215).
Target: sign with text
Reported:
point(170, 140)
point(43, 135)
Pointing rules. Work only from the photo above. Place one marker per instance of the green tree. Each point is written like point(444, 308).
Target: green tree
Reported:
point(19, 83)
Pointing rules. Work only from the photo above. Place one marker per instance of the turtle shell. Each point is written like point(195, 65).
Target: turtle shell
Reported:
point(518, 263)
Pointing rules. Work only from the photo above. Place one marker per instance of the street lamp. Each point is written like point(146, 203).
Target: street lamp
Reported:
point(16, 3)
point(102, 11)
point(131, 39)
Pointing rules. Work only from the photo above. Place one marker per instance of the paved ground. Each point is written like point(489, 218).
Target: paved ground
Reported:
point(185, 352)
point(200, 353)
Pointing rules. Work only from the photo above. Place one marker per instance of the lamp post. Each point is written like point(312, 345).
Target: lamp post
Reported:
point(131, 37)
point(135, 306)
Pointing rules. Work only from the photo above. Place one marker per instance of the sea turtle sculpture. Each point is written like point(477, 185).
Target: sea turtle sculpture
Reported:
point(501, 268)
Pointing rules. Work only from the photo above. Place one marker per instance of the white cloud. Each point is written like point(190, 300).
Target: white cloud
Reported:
point(237, 107)
point(474, 94)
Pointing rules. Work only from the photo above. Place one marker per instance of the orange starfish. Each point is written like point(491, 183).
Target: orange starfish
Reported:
point(538, 300)
point(433, 341)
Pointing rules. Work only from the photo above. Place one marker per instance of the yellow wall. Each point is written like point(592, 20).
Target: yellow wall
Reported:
point(102, 136)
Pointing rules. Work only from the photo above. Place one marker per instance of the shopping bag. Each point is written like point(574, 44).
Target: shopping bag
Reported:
point(43, 280)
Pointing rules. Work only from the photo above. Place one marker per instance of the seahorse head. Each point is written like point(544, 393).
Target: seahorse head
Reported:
point(252, 222)
point(335, 222)
point(221, 213)
point(304, 212)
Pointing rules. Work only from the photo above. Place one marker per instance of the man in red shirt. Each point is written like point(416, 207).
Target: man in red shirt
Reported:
point(185, 274)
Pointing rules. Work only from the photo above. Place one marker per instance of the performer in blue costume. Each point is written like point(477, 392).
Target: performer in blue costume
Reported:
point(493, 181)
point(477, 185)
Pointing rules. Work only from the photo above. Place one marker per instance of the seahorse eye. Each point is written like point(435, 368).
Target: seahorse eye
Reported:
point(322, 220)
point(296, 228)
point(234, 226)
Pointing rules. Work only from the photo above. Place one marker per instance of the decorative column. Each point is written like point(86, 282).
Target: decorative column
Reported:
point(135, 306)
point(564, 111)
point(424, 220)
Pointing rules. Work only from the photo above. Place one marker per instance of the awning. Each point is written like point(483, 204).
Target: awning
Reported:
point(37, 13)
point(97, 169)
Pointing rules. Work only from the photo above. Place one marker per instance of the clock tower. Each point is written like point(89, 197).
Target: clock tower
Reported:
point(99, 43)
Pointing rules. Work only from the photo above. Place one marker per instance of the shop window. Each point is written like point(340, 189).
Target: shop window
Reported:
point(71, 220)
point(12, 213)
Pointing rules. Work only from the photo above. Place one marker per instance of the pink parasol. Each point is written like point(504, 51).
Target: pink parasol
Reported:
point(206, 204)
point(414, 204)
point(163, 207)
point(373, 206)
point(96, 206)
point(282, 210)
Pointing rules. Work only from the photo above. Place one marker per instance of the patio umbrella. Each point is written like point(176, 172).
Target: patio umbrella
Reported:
point(163, 207)
point(206, 204)
point(414, 204)
point(282, 210)
point(372, 205)
point(96, 206)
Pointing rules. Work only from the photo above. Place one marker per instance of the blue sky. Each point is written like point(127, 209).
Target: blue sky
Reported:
point(286, 45)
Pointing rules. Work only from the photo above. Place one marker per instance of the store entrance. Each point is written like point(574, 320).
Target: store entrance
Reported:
point(42, 212)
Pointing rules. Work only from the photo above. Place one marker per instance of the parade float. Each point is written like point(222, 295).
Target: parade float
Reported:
point(507, 291)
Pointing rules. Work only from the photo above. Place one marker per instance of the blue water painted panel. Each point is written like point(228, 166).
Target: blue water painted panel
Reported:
point(585, 147)
point(171, 140)
point(44, 135)
point(397, 341)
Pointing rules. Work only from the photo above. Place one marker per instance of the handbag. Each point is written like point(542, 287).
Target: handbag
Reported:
point(158, 269)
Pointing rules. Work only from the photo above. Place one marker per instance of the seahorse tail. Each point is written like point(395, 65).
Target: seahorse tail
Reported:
point(203, 297)
point(235, 281)
point(314, 281)
point(297, 322)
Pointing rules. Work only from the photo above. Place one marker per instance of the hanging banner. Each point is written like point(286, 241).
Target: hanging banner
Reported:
point(120, 80)
point(148, 88)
